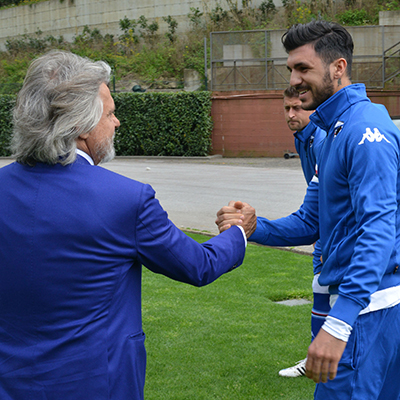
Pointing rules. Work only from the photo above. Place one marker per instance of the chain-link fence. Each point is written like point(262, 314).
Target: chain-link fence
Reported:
point(256, 60)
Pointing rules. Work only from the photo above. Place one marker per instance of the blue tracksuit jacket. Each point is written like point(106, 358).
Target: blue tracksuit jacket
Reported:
point(359, 198)
point(308, 144)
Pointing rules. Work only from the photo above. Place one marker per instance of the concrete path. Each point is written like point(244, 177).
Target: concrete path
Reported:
point(192, 190)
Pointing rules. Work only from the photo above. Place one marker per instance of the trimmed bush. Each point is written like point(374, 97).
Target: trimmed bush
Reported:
point(152, 124)
point(164, 124)
point(6, 105)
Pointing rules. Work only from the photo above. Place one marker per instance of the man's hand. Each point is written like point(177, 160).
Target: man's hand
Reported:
point(237, 213)
point(323, 357)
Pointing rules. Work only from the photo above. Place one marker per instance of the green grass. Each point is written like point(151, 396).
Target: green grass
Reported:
point(228, 340)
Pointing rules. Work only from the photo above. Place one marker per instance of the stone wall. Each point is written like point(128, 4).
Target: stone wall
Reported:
point(389, 17)
point(68, 18)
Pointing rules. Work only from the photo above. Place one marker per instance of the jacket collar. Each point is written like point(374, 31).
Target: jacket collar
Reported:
point(328, 113)
point(81, 155)
point(305, 133)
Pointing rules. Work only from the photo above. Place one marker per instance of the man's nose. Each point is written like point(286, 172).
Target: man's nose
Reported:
point(295, 78)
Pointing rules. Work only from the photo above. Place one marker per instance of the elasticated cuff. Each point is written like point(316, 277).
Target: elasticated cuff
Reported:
point(346, 310)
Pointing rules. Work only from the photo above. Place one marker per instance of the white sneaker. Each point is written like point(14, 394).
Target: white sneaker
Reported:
point(297, 370)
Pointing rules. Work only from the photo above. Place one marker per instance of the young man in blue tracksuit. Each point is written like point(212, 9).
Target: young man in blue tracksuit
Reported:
point(354, 209)
point(308, 139)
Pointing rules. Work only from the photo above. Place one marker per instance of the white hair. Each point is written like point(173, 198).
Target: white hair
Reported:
point(58, 102)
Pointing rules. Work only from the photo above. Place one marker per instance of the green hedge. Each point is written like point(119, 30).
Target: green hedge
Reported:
point(164, 124)
point(153, 124)
point(6, 104)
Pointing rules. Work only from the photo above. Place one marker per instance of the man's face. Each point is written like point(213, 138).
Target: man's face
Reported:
point(296, 117)
point(310, 76)
point(100, 141)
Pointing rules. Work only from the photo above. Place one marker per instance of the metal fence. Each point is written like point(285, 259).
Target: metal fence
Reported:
point(256, 60)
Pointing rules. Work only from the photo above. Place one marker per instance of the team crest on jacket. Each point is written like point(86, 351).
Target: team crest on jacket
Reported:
point(337, 129)
point(375, 136)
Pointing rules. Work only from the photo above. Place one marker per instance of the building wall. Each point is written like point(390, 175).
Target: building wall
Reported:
point(252, 124)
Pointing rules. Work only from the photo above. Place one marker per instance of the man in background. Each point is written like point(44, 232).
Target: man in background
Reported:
point(308, 140)
point(73, 238)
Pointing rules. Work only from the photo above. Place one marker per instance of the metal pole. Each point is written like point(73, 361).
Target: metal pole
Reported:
point(383, 57)
point(234, 74)
point(211, 60)
point(205, 64)
point(266, 59)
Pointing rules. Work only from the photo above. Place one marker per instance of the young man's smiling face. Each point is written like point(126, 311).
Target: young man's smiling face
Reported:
point(310, 76)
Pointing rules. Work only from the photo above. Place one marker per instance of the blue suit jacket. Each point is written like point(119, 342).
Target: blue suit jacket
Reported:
point(72, 242)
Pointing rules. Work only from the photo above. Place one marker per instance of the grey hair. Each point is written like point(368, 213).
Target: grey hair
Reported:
point(58, 102)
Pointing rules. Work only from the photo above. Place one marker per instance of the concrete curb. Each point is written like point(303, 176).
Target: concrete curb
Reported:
point(212, 157)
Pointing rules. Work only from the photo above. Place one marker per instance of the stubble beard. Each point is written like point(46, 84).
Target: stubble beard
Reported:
point(105, 150)
point(321, 94)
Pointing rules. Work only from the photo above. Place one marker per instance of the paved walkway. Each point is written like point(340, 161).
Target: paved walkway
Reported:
point(192, 190)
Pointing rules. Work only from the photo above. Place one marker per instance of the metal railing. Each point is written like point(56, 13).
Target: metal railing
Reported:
point(234, 66)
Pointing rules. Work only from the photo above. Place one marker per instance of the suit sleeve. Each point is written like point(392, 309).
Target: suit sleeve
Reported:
point(165, 249)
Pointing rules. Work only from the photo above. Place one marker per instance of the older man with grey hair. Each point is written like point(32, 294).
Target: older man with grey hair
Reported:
point(73, 238)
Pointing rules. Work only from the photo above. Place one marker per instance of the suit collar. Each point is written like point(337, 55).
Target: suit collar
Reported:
point(84, 155)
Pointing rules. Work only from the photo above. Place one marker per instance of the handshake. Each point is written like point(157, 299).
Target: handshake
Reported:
point(237, 213)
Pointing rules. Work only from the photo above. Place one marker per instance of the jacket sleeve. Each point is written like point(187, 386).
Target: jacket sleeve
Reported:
point(299, 228)
point(165, 249)
point(373, 191)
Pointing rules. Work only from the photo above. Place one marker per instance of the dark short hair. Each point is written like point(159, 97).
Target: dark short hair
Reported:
point(330, 40)
point(290, 92)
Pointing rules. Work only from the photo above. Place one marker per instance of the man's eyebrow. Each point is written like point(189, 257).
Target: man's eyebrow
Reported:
point(300, 65)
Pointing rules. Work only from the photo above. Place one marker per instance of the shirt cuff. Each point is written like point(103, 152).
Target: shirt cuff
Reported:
point(337, 328)
point(244, 235)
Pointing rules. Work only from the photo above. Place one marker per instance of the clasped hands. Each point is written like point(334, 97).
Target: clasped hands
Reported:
point(237, 213)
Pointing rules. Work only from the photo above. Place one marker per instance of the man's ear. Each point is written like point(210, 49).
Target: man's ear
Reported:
point(339, 68)
point(83, 136)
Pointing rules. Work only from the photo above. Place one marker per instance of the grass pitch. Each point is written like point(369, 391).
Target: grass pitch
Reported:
point(228, 340)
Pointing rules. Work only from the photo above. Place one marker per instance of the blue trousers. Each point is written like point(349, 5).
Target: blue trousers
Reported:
point(370, 365)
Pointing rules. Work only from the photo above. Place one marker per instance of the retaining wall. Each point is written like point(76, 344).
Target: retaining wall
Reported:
point(68, 18)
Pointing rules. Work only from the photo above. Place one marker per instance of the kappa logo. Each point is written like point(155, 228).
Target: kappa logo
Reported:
point(376, 136)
